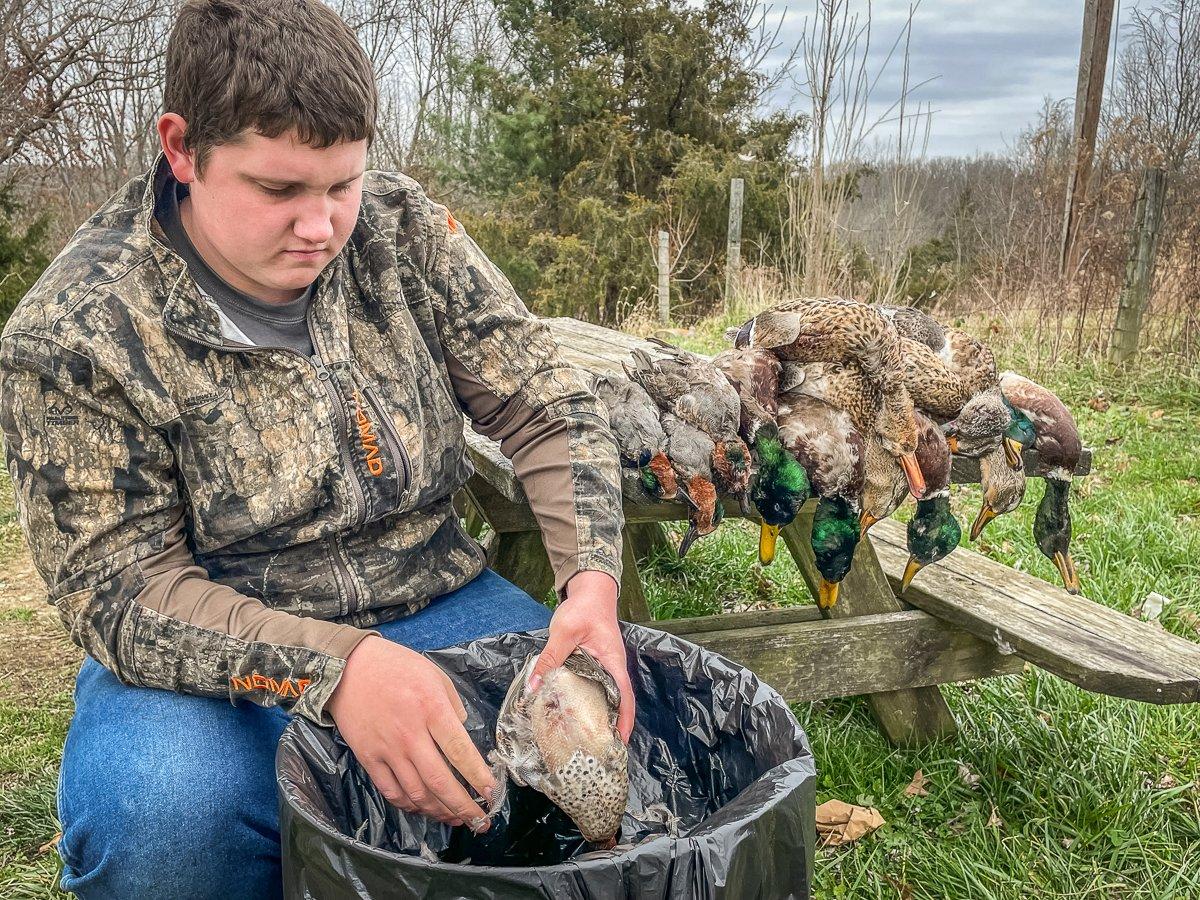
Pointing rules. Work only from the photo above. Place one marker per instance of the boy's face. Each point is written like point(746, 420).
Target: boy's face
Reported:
point(269, 213)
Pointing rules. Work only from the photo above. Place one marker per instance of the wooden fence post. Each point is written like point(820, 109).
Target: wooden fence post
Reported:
point(733, 250)
point(664, 277)
point(1139, 271)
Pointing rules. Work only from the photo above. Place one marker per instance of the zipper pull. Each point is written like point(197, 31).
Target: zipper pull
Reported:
point(322, 372)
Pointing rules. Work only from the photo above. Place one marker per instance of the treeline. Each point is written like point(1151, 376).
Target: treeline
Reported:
point(568, 133)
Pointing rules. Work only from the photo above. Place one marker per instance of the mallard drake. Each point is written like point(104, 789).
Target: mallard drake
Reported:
point(1059, 449)
point(835, 330)
point(634, 418)
point(1003, 489)
point(780, 486)
point(932, 532)
point(829, 447)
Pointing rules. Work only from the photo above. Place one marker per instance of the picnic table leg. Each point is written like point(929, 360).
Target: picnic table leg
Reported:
point(632, 606)
point(521, 557)
point(647, 538)
point(908, 717)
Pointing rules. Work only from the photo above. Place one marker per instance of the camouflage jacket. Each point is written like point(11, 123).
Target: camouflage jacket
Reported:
point(226, 520)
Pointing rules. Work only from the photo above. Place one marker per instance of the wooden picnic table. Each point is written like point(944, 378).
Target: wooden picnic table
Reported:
point(964, 618)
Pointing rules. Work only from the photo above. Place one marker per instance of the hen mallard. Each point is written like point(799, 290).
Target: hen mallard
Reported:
point(634, 418)
point(780, 486)
point(884, 486)
point(933, 532)
point(834, 330)
point(829, 447)
point(1059, 449)
point(1003, 489)
point(952, 376)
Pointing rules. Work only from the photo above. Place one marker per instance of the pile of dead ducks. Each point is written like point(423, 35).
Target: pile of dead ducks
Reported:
point(855, 405)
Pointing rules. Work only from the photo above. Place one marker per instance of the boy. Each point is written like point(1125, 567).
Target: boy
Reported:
point(232, 409)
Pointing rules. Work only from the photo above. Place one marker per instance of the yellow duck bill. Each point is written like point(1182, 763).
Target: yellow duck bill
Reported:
point(827, 593)
point(768, 535)
point(1012, 453)
point(910, 572)
point(986, 514)
point(1066, 568)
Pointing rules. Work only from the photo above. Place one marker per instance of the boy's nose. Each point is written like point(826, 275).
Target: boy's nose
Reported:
point(314, 224)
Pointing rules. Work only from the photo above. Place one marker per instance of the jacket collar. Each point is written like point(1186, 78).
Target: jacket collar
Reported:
point(185, 311)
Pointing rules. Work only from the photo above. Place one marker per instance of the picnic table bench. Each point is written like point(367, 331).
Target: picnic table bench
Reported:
point(965, 618)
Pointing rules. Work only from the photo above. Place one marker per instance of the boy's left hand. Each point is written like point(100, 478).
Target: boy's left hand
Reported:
point(588, 619)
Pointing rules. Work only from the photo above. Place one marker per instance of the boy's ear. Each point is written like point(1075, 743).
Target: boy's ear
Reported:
point(171, 129)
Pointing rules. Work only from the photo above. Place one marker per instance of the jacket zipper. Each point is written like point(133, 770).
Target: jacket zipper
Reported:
point(341, 571)
point(393, 437)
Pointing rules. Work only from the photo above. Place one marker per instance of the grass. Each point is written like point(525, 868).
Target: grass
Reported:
point(1047, 790)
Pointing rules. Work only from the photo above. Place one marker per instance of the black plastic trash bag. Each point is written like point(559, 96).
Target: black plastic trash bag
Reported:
point(716, 746)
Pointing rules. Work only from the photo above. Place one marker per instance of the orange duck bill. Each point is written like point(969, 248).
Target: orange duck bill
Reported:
point(912, 471)
point(910, 572)
point(1066, 568)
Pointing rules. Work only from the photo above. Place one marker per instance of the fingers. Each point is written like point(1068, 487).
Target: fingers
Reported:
point(628, 711)
point(557, 649)
point(422, 795)
point(456, 746)
point(439, 784)
point(455, 699)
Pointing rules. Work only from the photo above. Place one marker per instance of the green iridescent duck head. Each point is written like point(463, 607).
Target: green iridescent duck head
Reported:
point(932, 533)
point(779, 490)
point(1052, 529)
point(835, 534)
point(1018, 436)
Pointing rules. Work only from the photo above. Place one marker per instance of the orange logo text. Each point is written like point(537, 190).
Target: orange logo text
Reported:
point(366, 434)
point(283, 687)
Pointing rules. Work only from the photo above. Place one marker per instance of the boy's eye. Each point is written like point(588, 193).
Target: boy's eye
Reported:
point(283, 192)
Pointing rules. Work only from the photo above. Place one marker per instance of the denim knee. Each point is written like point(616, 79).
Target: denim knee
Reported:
point(162, 795)
point(156, 831)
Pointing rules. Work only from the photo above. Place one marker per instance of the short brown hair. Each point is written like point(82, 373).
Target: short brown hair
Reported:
point(269, 66)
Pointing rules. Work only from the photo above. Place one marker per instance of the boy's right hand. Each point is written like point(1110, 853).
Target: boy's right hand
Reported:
point(403, 719)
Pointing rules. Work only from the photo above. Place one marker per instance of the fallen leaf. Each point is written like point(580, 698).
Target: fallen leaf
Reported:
point(1067, 842)
point(1046, 717)
point(916, 787)
point(1190, 619)
point(50, 844)
point(1099, 404)
point(903, 888)
point(1167, 782)
point(969, 778)
point(842, 823)
point(1157, 414)
point(994, 820)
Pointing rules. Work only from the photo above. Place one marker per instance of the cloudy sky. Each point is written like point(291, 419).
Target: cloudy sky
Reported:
point(992, 64)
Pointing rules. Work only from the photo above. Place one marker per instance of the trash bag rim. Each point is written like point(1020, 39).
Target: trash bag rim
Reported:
point(298, 807)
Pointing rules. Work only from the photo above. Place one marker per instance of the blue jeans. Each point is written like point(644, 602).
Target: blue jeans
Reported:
point(166, 795)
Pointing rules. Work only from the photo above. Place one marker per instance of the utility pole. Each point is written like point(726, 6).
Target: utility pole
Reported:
point(1089, 91)
point(733, 249)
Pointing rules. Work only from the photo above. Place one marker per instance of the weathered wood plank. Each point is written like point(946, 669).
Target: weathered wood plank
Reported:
point(908, 716)
point(899, 653)
point(1086, 643)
